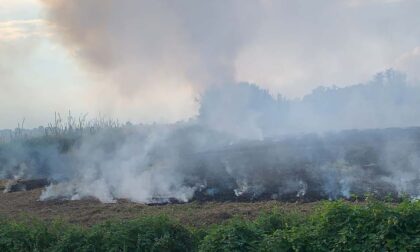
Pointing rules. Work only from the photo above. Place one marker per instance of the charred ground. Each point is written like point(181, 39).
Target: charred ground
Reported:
point(306, 167)
point(26, 204)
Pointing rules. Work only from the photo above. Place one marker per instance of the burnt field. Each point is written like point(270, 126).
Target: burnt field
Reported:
point(253, 196)
point(308, 168)
point(192, 163)
point(89, 225)
point(26, 204)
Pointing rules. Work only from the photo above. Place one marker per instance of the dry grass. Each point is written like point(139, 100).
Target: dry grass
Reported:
point(87, 212)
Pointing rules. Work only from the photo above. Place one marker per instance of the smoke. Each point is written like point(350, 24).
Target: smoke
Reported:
point(243, 110)
point(289, 46)
point(139, 44)
point(247, 111)
point(131, 58)
point(190, 162)
point(139, 164)
point(244, 145)
point(409, 63)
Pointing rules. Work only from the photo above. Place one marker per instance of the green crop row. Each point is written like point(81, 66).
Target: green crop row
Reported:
point(335, 226)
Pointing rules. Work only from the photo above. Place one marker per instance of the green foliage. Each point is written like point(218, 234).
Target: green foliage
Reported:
point(236, 235)
point(335, 226)
point(146, 234)
point(15, 236)
point(341, 226)
point(268, 223)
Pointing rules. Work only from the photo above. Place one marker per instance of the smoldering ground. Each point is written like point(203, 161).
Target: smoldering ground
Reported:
point(243, 145)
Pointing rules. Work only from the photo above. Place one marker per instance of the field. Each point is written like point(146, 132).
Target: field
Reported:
point(20, 205)
point(88, 225)
point(345, 191)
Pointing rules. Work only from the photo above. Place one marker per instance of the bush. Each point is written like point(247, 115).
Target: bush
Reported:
point(335, 226)
point(236, 235)
point(269, 222)
point(341, 226)
point(16, 236)
point(146, 234)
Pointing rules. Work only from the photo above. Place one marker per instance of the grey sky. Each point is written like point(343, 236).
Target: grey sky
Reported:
point(147, 60)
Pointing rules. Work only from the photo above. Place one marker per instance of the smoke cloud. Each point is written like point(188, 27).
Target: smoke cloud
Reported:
point(130, 59)
point(243, 145)
point(145, 43)
point(388, 100)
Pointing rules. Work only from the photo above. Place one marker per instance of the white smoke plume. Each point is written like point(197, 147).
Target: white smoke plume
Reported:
point(140, 43)
point(247, 111)
point(261, 148)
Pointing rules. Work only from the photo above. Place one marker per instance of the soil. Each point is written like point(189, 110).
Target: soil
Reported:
point(26, 204)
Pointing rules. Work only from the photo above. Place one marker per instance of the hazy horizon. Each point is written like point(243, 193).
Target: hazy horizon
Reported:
point(149, 61)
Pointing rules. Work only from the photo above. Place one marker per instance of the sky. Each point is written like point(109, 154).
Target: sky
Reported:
point(150, 60)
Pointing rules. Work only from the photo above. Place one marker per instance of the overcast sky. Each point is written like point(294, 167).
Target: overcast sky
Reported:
point(148, 60)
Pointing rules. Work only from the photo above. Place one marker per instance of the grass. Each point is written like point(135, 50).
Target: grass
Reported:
point(333, 226)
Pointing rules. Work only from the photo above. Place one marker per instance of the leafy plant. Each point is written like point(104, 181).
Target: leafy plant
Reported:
point(335, 226)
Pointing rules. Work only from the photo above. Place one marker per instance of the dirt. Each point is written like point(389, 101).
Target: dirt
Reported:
point(18, 205)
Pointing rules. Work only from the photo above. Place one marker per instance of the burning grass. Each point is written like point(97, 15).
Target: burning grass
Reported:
point(183, 163)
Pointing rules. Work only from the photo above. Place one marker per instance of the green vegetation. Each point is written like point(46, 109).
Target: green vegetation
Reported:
point(335, 226)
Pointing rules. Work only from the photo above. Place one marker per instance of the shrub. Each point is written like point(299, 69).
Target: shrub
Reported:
point(16, 236)
point(340, 226)
point(236, 235)
point(269, 222)
point(146, 234)
point(335, 226)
